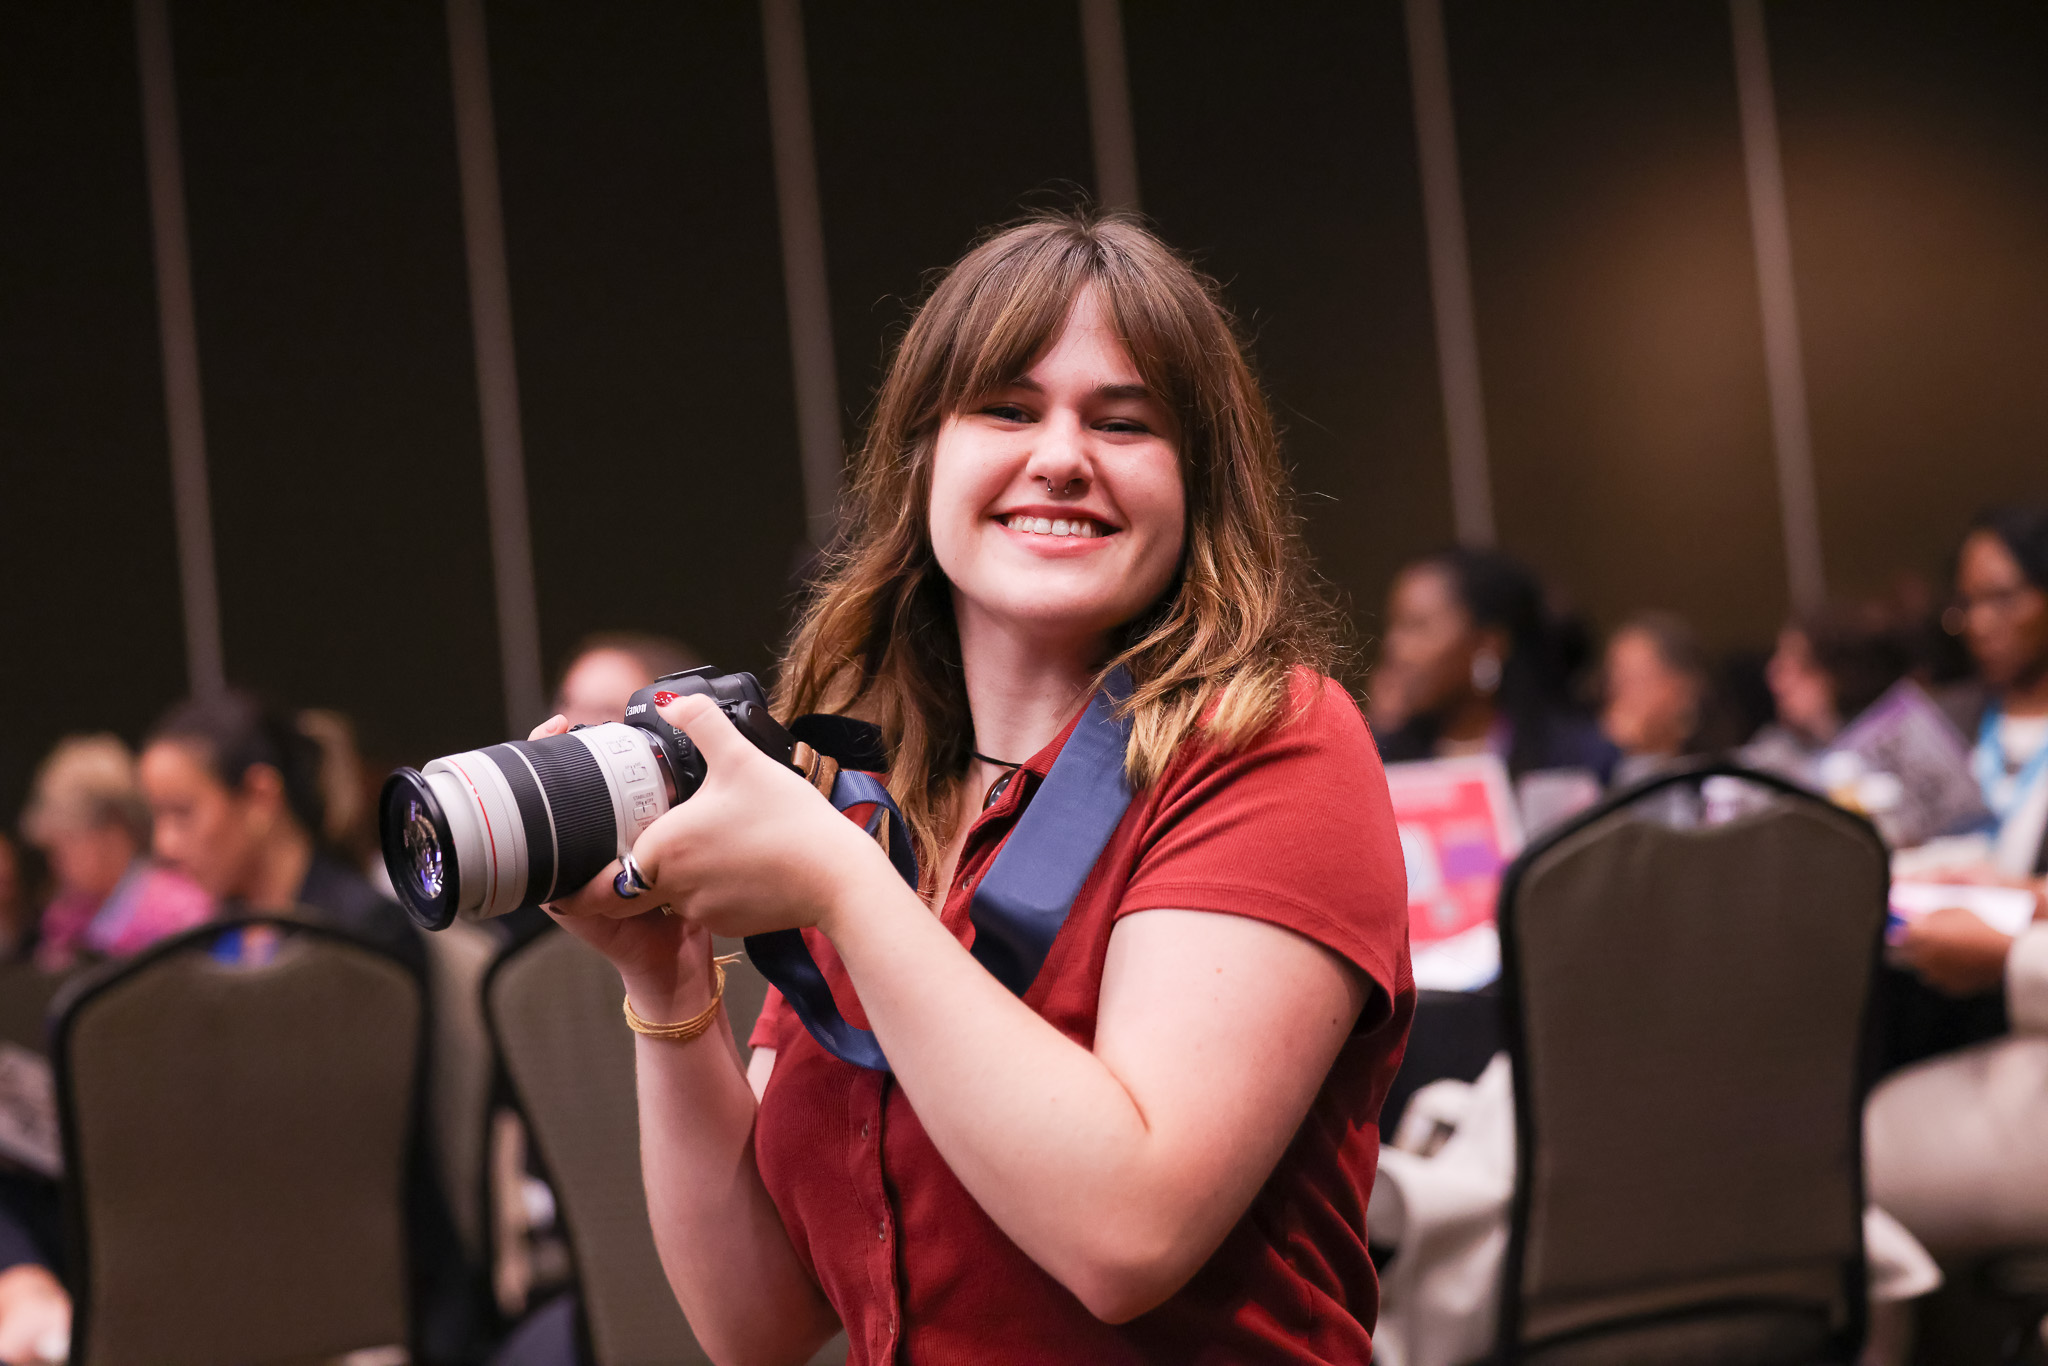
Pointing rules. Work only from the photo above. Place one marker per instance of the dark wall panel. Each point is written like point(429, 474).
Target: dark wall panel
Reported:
point(337, 365)
point(1620, 342)
point(933, 120)
point(647, 302)
point(1278, 145)
point(1916, 160)
point(91, 632)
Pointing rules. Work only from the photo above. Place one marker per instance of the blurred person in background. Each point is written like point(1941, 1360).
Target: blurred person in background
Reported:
point(86, 813)
point(606, 669)
point(348, 811)
point(1470, 665)
point(1829, 665)
point(1657, 695)
point(1955, 1145)
point(235, 789)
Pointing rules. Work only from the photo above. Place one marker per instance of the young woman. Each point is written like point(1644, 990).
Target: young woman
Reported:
point(1162, 1150)
point(87, 814)
point(1953, 1145)
point(1657, 694)
point(235, 791)
point(1829, 664)
point(1470, 665)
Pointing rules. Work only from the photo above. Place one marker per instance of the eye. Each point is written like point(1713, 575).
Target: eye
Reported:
point(1006, 412)
point(1124, 425)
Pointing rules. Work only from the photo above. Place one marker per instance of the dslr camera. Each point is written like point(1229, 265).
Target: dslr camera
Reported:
point(487, 831)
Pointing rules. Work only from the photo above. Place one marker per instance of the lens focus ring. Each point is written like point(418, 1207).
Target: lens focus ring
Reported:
point(586, 828)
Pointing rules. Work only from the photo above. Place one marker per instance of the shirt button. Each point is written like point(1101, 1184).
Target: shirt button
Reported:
point(863, 1128)
point(881, 1233)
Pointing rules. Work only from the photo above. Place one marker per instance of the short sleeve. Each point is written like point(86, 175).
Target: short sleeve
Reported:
point(1295, 828)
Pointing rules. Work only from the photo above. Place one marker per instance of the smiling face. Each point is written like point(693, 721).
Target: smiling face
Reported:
point(1057, 511)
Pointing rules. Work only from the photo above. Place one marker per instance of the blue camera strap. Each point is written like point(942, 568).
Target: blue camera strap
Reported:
point(1022, 899)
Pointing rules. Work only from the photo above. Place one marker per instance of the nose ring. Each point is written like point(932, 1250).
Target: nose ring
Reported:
point(1064, 489)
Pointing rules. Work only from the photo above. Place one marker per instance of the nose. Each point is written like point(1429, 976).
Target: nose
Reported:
point(1059, 463)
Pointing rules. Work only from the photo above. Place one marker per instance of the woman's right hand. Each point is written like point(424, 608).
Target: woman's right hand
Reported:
point(666, 965)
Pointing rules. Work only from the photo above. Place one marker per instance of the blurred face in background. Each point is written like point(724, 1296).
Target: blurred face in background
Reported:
point(214, 834)
point(1651, 708)
point(88, 860)
point(1801, 690)
point(598, 685)
point(2005, 617)
point(1426, 657)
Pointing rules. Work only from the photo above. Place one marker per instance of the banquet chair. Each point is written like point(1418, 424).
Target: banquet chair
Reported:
point(460, 1075)
point(237, 1139)
point(552, 1005)
point(26, 992)
point(1687, 1007)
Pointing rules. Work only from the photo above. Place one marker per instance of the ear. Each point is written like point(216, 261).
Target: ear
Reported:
point(263, 787)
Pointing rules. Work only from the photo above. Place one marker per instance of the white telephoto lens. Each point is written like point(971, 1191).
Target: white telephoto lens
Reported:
point(534, 820)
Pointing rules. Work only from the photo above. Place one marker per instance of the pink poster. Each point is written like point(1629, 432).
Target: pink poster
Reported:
point(1458, 829)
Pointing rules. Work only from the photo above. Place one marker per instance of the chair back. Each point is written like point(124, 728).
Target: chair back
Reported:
point(237, 1140)
point(552, 1004)
point(1687, 1010)
point(26, 992)
point(459, 1075)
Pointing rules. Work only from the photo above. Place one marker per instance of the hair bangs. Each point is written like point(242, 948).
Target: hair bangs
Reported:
point(1011, 316)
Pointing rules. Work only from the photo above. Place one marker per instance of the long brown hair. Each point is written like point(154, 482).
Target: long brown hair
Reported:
point(877, 638)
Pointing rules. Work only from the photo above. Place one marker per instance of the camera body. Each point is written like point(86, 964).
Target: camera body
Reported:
point(487, 831)
point(737, 695)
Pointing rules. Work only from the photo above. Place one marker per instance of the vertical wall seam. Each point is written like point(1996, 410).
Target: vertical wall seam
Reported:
point(1784, 371)
point(1109, 104)
point(1450, 274)
point(497, 371)
point(803, 266)
point(178, 337)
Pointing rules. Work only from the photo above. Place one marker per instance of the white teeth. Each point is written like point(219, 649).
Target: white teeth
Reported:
point(1055, 526)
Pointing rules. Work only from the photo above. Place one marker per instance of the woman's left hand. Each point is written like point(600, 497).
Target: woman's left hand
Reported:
point(756, 848)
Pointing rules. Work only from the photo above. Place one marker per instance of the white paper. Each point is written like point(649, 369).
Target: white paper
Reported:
point(1464, 962)
point(28, 1111)
point(2005, 909)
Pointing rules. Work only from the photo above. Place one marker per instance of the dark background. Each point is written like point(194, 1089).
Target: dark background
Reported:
point(1615, 286)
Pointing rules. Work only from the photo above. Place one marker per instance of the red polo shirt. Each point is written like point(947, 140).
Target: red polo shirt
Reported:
point(1295, 829)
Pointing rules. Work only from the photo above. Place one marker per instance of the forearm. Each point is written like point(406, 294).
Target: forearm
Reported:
point(723, 1245)
point(1047, 1139)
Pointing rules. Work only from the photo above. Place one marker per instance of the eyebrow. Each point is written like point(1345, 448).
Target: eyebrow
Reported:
point(1137, 391)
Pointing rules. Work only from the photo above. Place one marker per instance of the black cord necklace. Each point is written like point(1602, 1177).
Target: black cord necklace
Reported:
point(1002, 782)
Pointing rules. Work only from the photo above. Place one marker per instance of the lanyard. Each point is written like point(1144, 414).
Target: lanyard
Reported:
point(1989, 762)
point(1021, 901)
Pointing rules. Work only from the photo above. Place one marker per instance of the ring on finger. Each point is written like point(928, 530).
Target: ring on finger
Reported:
point(631, 881)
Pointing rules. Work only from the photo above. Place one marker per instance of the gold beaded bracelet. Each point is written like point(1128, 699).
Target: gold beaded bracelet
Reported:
point(684, 1030)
